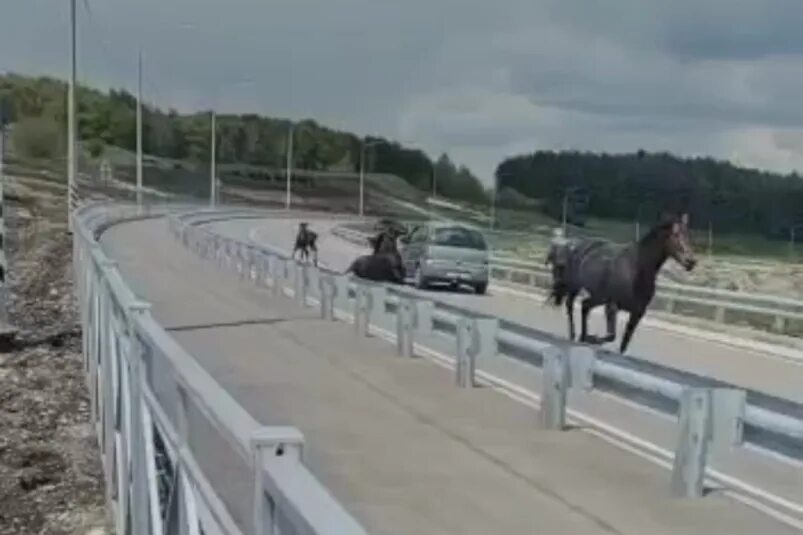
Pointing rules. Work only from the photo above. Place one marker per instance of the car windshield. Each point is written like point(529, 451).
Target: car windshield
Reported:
point(458, 237)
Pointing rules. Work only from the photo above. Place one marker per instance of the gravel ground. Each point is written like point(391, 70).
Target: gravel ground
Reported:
point(50, 473)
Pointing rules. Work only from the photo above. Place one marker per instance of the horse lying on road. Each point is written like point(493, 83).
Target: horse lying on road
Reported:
point(378, 268)
point(384, 264)
point(305, 242)
point(620, 277)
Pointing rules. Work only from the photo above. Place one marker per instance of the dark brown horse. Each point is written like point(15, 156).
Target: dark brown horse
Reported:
point(384, 264)
point(620, 277)
point(305, 242)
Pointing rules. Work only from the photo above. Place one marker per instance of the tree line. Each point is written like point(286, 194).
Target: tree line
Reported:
point(37, 108)
point(641, 185)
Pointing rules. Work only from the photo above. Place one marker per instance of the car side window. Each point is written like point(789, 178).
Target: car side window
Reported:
point(419, 235)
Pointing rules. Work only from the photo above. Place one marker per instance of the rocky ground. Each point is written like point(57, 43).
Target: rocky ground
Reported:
point(50, 472)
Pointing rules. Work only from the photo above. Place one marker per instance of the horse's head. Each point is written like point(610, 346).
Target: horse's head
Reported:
point(677, 241)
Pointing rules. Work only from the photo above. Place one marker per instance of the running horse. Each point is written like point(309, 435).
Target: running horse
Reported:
point(620, 277)
point(305, 242)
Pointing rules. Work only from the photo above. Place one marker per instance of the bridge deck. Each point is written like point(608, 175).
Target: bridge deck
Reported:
point(402, 448)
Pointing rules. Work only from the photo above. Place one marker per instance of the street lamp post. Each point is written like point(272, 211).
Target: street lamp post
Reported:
point(213, 162)
point(71, 163)
point(365, 145)
point(290, 135)
point(139, 129)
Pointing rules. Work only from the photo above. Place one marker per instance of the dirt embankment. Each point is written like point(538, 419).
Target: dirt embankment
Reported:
point(50, 473)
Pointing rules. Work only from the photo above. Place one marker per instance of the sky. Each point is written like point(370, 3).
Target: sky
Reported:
point(477, 79)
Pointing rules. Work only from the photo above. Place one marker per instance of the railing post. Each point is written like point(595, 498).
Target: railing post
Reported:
point(140, 509)
point(362, 310)
point(476, 337)
point(688, 470)
point(271, 444)
point(553, 392)
point(300, 282)
point(326, 284)
point(342, 287)
point(405, 325)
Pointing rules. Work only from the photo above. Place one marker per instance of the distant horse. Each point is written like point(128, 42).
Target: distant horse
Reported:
point(305, 242)
point(620, 277)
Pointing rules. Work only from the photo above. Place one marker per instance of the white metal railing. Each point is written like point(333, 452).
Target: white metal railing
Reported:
point(705, 406)
point(156, 410)
point(776, 314)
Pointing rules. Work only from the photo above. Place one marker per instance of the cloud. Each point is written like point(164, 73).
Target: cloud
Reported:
point(481, 81)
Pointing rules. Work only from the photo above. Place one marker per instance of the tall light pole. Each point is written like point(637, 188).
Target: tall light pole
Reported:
point(365, 145)
point(290, 135)
point(139, 128)
point(434, 180)
point(71, 163)
point(213, 162)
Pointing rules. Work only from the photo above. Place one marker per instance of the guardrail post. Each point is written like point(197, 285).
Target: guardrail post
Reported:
point(476, 338)
point(139, 476)
point(688, 470)
point(378, 312)
point(300, 282)
point(313, 274)
point(342, 286)
point(326, 284)
point(779, 324)
point(271, 444)
point(727, 418)
point(424, 311)
point(362, 310)
point(553, 392)
point(405, 325)
point(581, 367)
point(276, 274)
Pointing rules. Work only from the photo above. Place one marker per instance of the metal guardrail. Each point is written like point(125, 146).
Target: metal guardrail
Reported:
point(728, 416)
point(156, 410)
point(776, 314)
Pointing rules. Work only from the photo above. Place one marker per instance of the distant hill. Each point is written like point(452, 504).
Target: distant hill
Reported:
point(107, 122)
point(639, 186)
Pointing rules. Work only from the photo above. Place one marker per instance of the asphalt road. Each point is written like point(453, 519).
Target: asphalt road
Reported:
point(393, 439)
point(743, 367)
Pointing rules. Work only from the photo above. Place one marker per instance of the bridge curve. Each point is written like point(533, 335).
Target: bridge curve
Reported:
point(394, 442)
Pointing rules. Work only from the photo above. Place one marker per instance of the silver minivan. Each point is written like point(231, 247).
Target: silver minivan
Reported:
point(446, 253)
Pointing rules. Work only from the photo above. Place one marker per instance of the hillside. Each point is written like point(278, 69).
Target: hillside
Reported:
point(636, 187)
point(107, 123)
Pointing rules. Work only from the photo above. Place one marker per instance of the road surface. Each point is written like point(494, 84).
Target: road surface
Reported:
point(396, 443)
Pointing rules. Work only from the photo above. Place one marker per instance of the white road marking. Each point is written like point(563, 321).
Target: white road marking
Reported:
point(762, 500)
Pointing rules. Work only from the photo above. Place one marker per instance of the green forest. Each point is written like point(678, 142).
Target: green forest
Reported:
point(37, 108)
point(640, 186)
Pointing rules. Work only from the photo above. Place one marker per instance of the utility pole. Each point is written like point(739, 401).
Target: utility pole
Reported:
point(290, 135)
point(71, 163)
point(710, 239)
point(3, 263)
point(213, 163)
point(139, 129)
point(565, 208)
point(434, 181)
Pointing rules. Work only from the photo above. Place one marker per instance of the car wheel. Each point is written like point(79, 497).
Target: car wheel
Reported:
point(481, 288)
point(418, 279)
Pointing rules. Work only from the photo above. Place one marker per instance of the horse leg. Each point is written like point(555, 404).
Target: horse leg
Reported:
point(589, 303)
point(315, 255)
point(610, 317)
point(632, 323)
point(570, 313)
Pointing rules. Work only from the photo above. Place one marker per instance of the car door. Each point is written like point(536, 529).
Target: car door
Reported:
point(413, 249)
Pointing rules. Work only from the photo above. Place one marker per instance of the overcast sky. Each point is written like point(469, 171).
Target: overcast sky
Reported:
point(479, 79)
